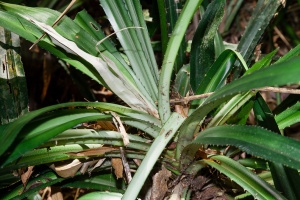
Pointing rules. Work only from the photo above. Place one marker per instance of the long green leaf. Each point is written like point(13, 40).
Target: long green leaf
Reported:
point(10, 131)
point(291, 54)
point(282, 176)
point(232, 10)
point(106, 47)
point(102, 196)
point(90, 136)
point(172, 10)
point(136, 42)
point(230, 108)
point(254, 163)
point(157, 147)
point(245, 178)
point(289, 116)
point(90, 25)
point(49, 155)
point(85, 21)
point(147, 127)
point(34, 135)
point(253, 140)
point(103, 182)
point(263, 114)
point(278, 74)
point(163, 25)
point(135, 9)
point(203, 49)
point(264, 62)
point(261, 17)
point(169, 60)
point(216, 74)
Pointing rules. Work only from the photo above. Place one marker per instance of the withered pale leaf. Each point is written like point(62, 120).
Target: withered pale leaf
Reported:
point(68, 170)
point(86, 165)
point(121, 128)
point(108, 70)
point(98, 164)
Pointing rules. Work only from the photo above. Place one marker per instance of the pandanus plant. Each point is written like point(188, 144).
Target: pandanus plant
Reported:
point(180, 140)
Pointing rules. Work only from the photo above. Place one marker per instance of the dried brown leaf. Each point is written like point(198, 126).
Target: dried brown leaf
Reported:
point(56, 193)
point(25, 176)
point(160, 186)
point(125, 165)
point(93, 152)
point(105, 125)
point(118, 167)
point(183, 110)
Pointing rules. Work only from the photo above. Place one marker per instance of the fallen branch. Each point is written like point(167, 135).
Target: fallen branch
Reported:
point(264, 89)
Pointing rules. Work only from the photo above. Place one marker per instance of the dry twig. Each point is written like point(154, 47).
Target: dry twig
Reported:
point(55, 22)
point(264, 89)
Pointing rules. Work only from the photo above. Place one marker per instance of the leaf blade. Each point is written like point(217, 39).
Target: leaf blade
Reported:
point(245, 178)
point(253, 140)
point(203, 49)
point(277, 74)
